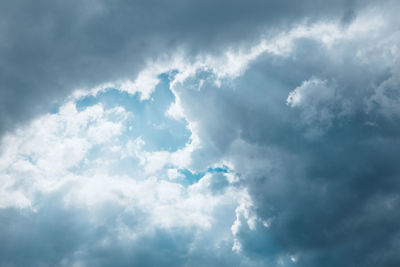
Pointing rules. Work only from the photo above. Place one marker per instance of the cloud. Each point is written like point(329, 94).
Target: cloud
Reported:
point(319, 104)
point(311, 134)
point(291, 152)
point(53, 48)
point(57, 177)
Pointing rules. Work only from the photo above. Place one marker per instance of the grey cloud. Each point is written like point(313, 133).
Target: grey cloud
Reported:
point(58, 235)
point(50, 48)
point(332, 199)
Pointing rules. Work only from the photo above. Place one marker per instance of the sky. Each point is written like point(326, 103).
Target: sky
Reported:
point(199, 133)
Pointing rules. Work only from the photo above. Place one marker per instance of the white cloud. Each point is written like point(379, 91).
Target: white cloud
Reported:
point(174, 174)
point(42, 153)
point(42, 156)
point(243, 212)
point(53, 155)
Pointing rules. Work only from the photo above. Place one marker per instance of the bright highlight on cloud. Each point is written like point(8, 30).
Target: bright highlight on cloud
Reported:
point(266, 135)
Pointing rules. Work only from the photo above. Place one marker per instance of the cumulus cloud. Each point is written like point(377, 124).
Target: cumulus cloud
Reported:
point(311, 134)
point(59, 170)
point(53, 47)
point(319, 105)
point(291, 156)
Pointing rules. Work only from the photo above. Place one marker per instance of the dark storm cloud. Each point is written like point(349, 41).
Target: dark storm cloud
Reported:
point(49, 48)
point(332, 196)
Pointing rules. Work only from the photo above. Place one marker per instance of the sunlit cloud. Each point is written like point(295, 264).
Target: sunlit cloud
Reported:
point(264, 136)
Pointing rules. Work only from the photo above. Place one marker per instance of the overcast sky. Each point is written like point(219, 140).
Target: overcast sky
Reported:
point(199, 133)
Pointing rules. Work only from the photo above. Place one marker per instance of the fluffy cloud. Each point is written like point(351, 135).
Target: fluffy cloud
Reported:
point(291, 157)
point(53, 47)
point(58, 176)
point(311, 134)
